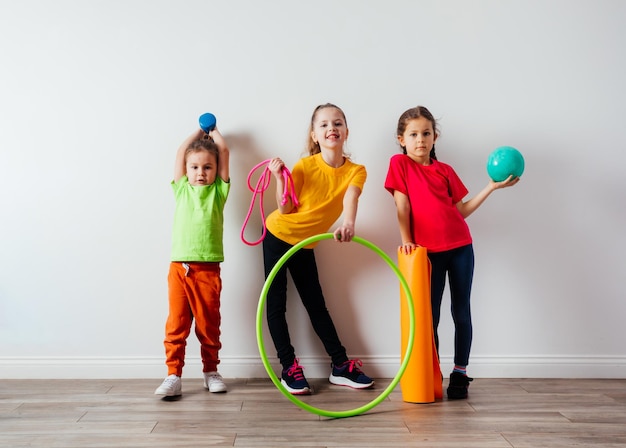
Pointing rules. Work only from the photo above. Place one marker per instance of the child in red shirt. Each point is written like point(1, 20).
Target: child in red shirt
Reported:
point(431, 213)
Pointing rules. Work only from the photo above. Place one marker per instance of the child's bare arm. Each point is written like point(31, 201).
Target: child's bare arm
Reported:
point(276, 166)
point(179, 164)
point(403, 210)
point(345, 232)
point(223, 162)
point(470, 206)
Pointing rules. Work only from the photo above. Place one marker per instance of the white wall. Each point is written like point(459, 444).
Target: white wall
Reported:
point(96, 96)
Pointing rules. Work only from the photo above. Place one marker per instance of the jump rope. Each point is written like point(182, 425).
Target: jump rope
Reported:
point(207, 124)
point(262, 184)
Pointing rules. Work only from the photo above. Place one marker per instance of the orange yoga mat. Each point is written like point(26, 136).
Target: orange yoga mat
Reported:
point(421, 382)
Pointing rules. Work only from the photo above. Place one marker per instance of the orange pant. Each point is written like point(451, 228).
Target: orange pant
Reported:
point(194, 292)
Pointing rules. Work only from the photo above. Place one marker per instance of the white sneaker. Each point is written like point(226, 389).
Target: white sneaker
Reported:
point(171, 386)
point(214, 382)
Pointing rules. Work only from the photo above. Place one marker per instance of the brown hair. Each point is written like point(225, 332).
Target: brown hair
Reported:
point(312, 147)
point(205, 144)
point(413, 114)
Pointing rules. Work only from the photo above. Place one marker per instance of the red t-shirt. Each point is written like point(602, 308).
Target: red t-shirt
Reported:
point(433, 192)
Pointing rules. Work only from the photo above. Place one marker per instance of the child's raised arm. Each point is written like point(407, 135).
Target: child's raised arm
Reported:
point(470, 206)
point(223, 160)
point(179, 164)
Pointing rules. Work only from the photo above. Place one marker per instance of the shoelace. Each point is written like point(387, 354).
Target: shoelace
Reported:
point(354, 364)
point(170, 381)
point(295, 371)
point(262, 185)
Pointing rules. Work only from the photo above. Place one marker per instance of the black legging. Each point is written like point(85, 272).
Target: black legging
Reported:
point(458, 264)
point(303, 270)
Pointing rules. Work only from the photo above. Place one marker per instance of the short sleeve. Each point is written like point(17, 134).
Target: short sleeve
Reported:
point(457, 189)
point(396, 175)
point(359, 177)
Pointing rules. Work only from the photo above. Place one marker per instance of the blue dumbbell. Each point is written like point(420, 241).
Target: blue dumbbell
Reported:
point(207, 122)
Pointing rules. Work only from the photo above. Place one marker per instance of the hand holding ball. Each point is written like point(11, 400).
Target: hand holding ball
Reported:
point(207, 122)
point(503, 162)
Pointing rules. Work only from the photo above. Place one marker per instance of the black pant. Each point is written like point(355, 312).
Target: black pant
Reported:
point(303, 270)
point(458, 264)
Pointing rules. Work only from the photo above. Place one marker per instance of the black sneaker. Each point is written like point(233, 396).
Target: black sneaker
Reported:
point(349, 374)
point(294, 381)
point(457, 387)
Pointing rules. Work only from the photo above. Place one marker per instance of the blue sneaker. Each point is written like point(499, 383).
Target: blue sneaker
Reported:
point(294, 381)
point(348, 374)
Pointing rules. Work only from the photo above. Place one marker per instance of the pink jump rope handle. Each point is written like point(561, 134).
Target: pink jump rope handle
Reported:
point(262, 185)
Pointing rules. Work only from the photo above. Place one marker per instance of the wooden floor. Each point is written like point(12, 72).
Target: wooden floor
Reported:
point(124, 413)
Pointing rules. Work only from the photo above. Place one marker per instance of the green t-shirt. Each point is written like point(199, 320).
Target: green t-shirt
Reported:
point(198, 230)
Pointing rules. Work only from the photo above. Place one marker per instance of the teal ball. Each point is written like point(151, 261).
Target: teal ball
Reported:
point(503, 162)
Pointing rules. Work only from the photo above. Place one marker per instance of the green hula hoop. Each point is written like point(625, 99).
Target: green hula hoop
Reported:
point(259, 329)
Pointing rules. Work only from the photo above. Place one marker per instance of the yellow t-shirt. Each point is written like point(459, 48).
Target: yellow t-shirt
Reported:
point(320, 189)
